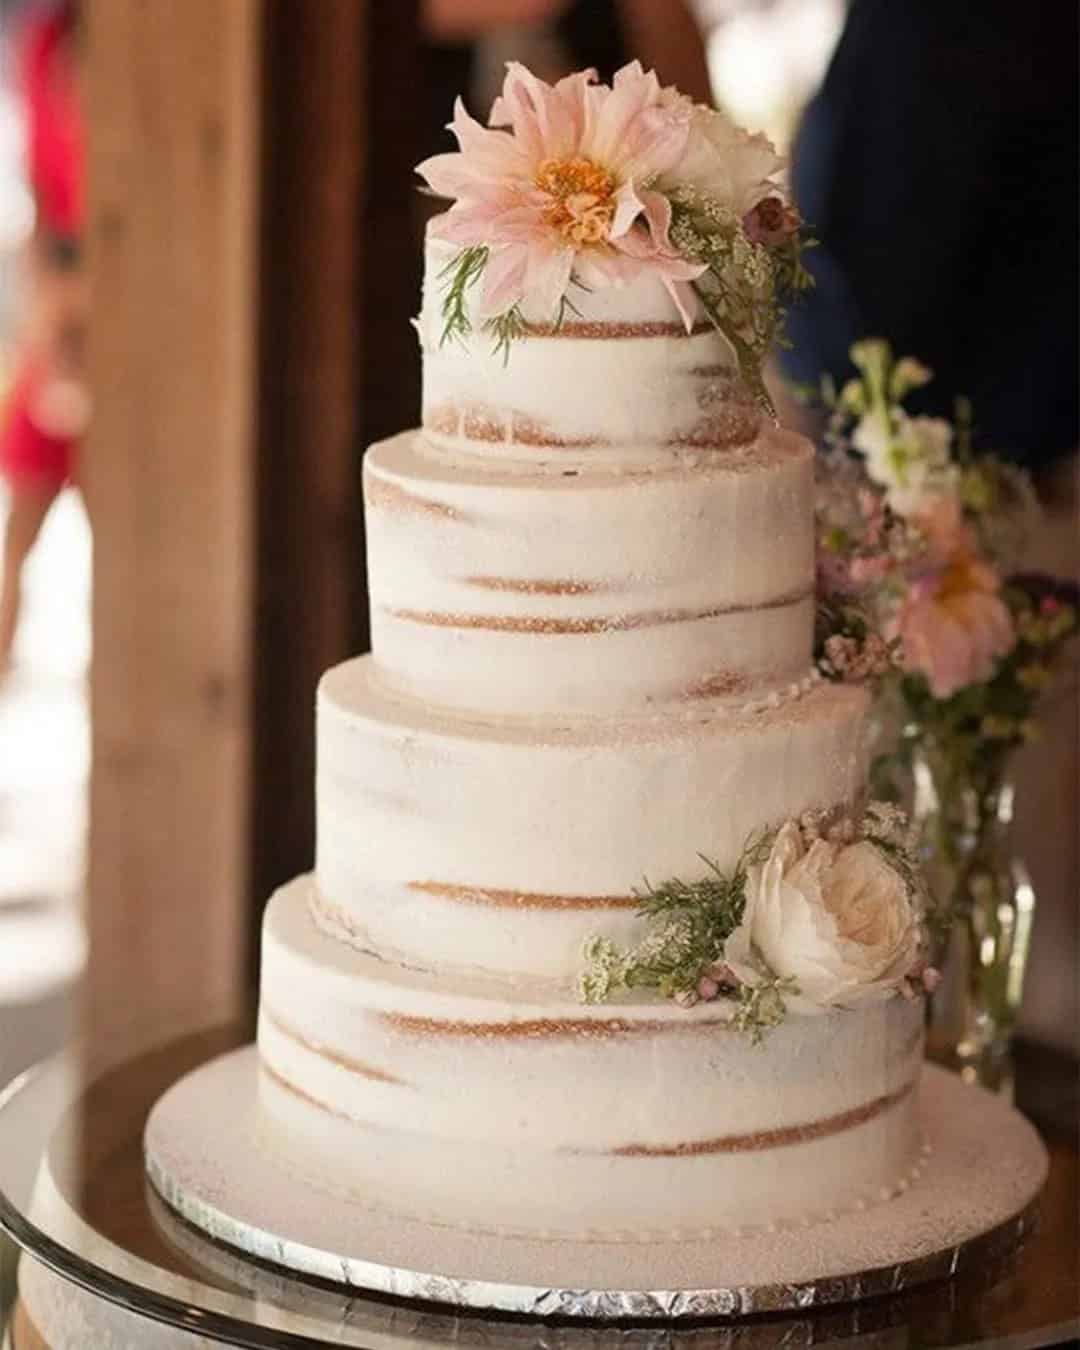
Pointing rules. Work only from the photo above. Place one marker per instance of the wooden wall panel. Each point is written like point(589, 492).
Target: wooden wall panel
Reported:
point(172, 109)
point(391, 240)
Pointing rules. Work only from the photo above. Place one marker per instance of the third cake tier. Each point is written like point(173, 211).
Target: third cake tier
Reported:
point(450, 842)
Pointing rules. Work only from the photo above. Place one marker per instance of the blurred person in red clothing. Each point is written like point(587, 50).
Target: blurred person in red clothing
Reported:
point(47, 408)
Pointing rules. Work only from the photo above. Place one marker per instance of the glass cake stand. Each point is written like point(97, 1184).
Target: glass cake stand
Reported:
point(105, 1263)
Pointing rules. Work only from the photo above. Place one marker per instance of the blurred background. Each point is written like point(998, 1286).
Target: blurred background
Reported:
point(209, 254)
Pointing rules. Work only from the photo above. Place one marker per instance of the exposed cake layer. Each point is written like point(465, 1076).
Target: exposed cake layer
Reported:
point(620, 379)
point(501, 846)
point(602, 592)
point(501, 1106)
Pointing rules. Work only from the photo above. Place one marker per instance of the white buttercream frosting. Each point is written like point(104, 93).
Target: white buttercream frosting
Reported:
point(641, 1117)
point(420, 813)
point(621, 381)
point(599, 592)
point(590, 577)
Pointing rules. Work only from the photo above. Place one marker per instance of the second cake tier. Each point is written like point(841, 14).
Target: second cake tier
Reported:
point(445, 842)
point(536, 590)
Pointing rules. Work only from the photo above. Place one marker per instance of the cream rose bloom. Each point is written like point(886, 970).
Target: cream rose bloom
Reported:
point(835, 918)
point(728, 163)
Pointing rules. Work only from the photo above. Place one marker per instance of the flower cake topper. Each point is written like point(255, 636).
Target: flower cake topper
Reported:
point(581, 185)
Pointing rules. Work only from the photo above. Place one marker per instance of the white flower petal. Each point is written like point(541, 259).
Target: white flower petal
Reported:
point(503, 280)
point(838, 920)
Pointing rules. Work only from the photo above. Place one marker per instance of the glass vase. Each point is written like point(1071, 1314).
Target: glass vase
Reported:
point(984, 902)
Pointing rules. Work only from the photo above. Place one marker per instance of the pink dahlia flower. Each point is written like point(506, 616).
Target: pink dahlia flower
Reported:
point(564, 191)
point(953, 625)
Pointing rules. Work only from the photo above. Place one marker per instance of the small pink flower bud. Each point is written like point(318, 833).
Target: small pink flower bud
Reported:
point(771, 221)
point(842, 831)
point(707, 988)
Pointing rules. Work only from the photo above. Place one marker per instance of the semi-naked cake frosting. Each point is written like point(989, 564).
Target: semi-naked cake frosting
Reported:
point(591, 575)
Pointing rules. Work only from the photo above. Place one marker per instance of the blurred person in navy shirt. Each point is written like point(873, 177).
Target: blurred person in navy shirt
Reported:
point(937, 167)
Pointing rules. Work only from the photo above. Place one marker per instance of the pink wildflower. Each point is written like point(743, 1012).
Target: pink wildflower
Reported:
point(872, 509)
point(953, 625)
point(722, 973)
point(834, 573)
point(854, 661)
point(842, 831)
point(868, 569)
point(771, 221)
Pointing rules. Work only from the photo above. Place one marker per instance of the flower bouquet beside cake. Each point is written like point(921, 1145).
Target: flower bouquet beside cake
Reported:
point(920, 542)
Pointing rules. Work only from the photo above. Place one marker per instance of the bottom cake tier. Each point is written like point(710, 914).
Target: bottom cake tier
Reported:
point(508, 1108)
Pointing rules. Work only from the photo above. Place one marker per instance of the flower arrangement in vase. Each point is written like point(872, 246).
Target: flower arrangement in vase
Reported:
point(919, 541)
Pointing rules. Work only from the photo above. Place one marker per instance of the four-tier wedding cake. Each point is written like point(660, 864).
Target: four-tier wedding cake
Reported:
point(603, 940)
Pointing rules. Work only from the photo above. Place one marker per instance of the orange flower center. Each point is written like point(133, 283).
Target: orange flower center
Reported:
point(963, 578)
point(582, 198)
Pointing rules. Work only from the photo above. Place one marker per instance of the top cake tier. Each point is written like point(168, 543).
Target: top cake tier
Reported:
point(619, 381)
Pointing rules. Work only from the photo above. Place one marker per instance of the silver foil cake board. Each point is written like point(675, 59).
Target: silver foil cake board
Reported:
point(974, 1199)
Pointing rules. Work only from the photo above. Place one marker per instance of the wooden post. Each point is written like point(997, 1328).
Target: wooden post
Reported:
point(254, 268)
point(172, 101)
point(309, 584)
point(391, 242)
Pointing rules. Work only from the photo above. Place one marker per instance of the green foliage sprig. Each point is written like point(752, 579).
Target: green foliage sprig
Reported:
point(506, 328)
point(689, 922)
point(746, 285)
point(760, 1007)
point(460, 276)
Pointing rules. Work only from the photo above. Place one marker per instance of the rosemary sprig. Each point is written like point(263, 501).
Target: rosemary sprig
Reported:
point(689, 922)
point(506, 328)
point(462, 272)
point(567, 306)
